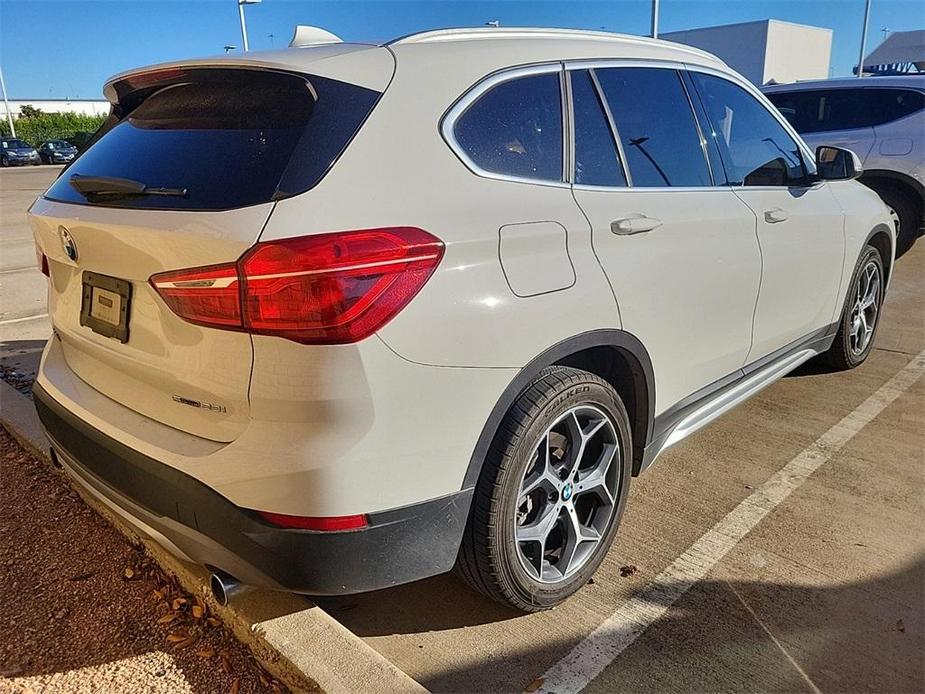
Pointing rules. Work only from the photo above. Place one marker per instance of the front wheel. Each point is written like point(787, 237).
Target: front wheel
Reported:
point(4, 162)
point(551, 492)
point(861, 314)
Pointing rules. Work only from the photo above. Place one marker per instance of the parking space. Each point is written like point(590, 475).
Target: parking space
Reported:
point(825, 592)
point(782, 548)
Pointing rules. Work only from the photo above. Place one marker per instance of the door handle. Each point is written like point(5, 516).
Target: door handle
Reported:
point(634, 224)
point(775, 215)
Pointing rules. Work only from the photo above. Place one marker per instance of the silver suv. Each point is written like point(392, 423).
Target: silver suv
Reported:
point(882, 119)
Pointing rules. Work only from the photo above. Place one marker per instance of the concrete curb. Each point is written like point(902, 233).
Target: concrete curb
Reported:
point(293, 639)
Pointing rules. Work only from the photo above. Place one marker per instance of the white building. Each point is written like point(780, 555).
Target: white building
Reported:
point(765, 50)
point(90, 107)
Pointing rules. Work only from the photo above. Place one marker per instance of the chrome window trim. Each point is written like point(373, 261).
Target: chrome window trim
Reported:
point(471, 95)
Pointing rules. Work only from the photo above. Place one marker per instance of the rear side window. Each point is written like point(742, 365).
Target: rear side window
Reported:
point(756, 149)
point(515, 128)
point(821, 110)
point(596, 160)
point(656, 126)
point(230, 138)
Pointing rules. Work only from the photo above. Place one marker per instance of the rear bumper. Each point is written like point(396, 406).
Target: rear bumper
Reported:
point(197, 523)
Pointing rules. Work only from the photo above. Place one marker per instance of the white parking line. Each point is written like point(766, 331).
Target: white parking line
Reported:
point(589, 657)
point(23, 320)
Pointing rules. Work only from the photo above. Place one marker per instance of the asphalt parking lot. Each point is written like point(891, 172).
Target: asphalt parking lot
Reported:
point(780, 549)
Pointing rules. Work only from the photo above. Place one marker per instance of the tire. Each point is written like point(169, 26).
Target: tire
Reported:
point(4, 162)
point(903, 203)
point(563, 405)
point(846, 351)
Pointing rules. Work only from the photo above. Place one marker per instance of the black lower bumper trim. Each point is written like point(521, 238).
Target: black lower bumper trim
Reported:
point(398, 546)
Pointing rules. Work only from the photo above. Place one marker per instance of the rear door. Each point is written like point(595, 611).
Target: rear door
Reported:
point(680, 253)
point(800, 225)
point(185, 176)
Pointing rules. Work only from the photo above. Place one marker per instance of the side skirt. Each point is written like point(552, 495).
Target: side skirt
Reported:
point(699, 409)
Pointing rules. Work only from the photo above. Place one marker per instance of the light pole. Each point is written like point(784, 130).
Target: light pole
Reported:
point(864, 38)
point(654, 19)
point(241, 4)
point(6, 103)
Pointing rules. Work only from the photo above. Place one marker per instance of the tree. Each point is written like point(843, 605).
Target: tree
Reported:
point(27, 111)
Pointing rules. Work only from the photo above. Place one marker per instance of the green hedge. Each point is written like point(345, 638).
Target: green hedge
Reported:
point(37, 128)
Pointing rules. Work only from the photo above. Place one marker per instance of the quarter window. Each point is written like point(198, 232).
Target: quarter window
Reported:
point(515, 128)
point(596, 159)
point(656, 126)
point(756, 149)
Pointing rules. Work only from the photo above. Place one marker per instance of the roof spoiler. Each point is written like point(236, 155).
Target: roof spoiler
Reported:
point(305, 35)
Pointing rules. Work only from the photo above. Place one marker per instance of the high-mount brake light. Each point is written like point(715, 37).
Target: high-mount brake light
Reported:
point(324, 289)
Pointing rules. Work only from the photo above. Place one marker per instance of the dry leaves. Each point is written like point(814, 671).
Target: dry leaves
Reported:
point(628, 570)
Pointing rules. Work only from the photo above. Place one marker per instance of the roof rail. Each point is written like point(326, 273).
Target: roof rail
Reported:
point(490, 32)
point(305, 35)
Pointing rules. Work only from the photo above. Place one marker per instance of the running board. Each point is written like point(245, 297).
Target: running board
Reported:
point(731, 396)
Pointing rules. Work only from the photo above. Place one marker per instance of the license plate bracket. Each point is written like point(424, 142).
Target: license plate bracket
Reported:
point(105, 305)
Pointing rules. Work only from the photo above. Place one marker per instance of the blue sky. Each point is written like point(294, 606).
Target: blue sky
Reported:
point(67, 48)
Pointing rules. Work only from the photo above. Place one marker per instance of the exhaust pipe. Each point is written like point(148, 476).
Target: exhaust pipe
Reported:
point(225, 587)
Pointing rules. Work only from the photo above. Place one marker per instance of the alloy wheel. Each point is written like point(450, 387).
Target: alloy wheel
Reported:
point(567, 494)
point(864, 311)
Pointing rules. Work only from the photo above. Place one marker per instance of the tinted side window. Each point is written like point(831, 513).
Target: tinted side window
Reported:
point(656, 126)
point(820, 110)
point(756, 149)
point(515, 128)
point(596, 160)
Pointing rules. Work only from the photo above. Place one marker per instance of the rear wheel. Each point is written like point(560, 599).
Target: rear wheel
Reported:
point(551, 492)
point(861, 315)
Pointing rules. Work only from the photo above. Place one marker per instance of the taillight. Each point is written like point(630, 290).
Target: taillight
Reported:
point(327, 523)
point(41, 261)
point(324, 289)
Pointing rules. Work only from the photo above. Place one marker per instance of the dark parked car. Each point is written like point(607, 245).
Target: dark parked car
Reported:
point(57, 152)
point(14, 152)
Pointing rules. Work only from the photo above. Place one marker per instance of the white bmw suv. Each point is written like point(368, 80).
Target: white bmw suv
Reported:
point(341, 316)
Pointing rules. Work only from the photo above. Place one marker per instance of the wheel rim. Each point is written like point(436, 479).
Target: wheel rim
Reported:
point(567, 494)
point(894, 217)
point(865, 310)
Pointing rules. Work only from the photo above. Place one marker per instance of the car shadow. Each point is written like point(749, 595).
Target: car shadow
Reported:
point(779, 636)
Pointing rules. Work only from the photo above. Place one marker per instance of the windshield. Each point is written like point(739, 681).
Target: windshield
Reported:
point(59, 144)
point(15, 144)
point(228, 137)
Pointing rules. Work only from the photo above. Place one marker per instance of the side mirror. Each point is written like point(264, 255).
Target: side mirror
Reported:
point(837, 164)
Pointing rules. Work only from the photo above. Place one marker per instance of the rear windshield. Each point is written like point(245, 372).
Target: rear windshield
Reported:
point(222, 138)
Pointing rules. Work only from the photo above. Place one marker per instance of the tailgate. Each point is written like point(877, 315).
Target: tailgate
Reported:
point(183, 375)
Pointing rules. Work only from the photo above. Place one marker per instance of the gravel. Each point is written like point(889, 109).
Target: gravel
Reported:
point(82, 610)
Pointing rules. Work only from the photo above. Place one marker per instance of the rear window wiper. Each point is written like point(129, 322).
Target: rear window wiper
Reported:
point(112, 186)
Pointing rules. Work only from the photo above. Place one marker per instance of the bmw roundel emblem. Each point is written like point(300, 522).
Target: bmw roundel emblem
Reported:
point(67, 243)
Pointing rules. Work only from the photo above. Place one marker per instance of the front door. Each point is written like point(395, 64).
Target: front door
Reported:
point(800, 225)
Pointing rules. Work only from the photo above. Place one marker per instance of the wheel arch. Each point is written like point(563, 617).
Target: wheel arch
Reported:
point(614, 355)
point(898, 181)
point(881, 239)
